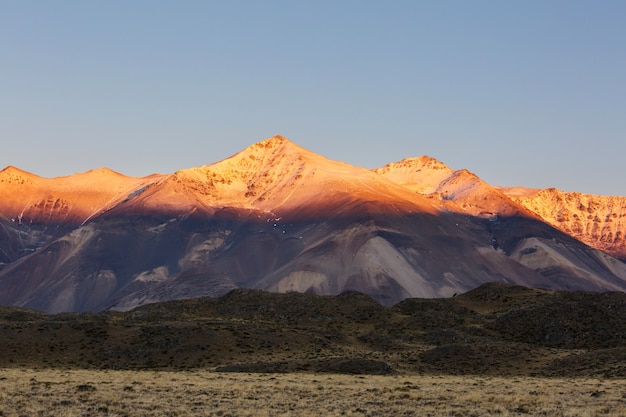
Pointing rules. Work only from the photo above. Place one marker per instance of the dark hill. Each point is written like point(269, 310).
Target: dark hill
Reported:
point(494, 329)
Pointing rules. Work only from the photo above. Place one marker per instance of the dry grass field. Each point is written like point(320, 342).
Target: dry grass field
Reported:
point(68, 393)
point(496, 351)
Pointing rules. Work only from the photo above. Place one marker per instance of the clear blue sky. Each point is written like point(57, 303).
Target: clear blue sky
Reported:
point(526, 92)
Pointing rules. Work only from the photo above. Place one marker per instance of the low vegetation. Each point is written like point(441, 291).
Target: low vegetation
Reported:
point(497, 350)
point(493, 330)
point(71, 393)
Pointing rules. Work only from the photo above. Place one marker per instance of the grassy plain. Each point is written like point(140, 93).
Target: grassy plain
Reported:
point(69, 393)
point(496, 351)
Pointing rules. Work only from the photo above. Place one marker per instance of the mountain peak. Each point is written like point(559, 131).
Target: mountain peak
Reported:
point(99, 174)
point(273, 142)
point(102, 170)
point(268, 154)
point(415, 164)
point(421, 174)
point(278, 176)
point(14, 175)
point(460, 190)
point(12, 170)
point(596, 220)
point(274, 146)
point(71, 199)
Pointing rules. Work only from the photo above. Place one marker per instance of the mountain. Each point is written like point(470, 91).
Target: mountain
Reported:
point(27, 198)
point(277, 217)
point(277, 178)
point(34, 210)
point(595, 220)
point(456, 190)
point(599, 221)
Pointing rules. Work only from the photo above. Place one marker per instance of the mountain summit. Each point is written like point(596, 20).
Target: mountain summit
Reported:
point(278, 217)
point(460, 191)
point(280, 178)
point(28, 198)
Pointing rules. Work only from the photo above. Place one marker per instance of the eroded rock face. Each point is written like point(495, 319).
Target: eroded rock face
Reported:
point(460, 191)
point(599, 221)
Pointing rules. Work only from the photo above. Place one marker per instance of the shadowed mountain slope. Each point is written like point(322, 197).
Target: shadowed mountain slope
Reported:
point(278, 217)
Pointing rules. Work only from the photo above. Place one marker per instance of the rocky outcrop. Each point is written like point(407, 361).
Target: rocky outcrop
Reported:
point(599, 221)
point(460, 191)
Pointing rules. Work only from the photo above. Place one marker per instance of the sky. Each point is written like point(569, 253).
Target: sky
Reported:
point(522, 93)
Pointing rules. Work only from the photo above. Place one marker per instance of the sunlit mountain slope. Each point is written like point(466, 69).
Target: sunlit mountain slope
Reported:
point(276, 216)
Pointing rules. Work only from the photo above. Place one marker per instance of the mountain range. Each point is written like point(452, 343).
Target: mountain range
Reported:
point(278, 217)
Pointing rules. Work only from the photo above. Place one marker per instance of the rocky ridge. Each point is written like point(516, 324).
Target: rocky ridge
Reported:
point(456, 190)
point(276, 177)
point(74, 199)
point(599, 221)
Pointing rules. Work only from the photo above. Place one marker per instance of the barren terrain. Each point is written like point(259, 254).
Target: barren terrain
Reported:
point(69, 393)
point(497, 350)
point(493, 330)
